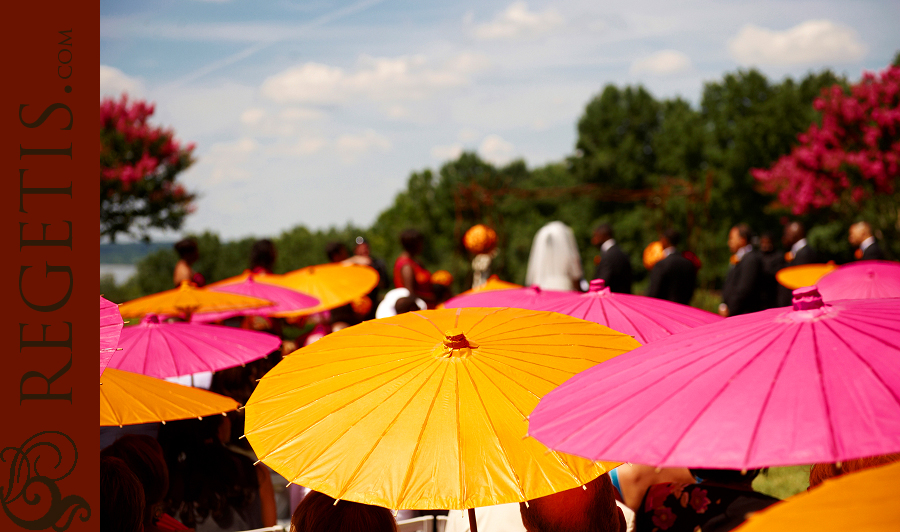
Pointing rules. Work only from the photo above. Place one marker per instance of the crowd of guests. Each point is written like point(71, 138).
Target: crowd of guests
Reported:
point(200, 475)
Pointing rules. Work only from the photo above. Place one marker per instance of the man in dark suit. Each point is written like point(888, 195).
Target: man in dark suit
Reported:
point(799, 253)
point(614, 266)
point(674, 277)
point(743, 289)
point(861, 238)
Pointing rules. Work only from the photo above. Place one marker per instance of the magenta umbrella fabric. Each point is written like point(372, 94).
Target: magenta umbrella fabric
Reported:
point(647, 319)
point(174, 349)
point(866, 279)
point(111, 324)
point(809, 384)
point(285, 300)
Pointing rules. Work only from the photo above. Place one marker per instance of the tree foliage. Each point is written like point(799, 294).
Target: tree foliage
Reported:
point(139, 164)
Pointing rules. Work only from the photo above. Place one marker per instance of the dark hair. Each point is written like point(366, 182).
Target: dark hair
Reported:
point(410, 239)
point(121, 497)
point(332, 249)
point(406, 304)
point(726, 476)
point(186, 247)
point(144, 457)
point(673, 236)
point(263, 254)
point(209, 480)
point(604, 230)
point(592, 507)
point(744, 231)
point(318, 512)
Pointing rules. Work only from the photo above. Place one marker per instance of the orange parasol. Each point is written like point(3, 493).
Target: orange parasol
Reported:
point(794, 277)
point(334, 285)
point(130, 399)
point(187, 299)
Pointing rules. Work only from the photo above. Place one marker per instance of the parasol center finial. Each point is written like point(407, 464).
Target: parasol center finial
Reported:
point(807, 298)
point(598, 286)
point(455, 339)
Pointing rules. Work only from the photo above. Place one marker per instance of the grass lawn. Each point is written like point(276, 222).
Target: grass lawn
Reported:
point(782, 482)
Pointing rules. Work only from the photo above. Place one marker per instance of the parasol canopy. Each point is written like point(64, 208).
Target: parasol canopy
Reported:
point(865, 279)
point(333, 285)
point(188, 299)
point(809, 384)
point(794, 277)
point(130, 399)
point(865, 500)
point(427, 409)
point(254, 285)
point(647, 319)
point(111, 324)
point(174, 349)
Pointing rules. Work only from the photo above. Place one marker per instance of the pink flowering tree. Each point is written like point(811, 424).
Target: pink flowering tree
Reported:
point(849, 163)
point(139, 164)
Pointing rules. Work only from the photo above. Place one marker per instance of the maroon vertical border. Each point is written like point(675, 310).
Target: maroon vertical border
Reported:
point(49, 390)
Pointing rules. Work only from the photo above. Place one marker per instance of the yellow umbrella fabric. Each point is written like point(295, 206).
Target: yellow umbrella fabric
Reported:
point(129, 399)
point(794, 277)
point(187, 299)
point(427, 410)
point(862, 501)
point(332, 284)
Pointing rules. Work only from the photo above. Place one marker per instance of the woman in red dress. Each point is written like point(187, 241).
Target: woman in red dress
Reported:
point(410, 274)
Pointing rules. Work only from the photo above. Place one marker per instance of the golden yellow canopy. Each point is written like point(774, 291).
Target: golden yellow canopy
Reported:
point(333, 285)
point(427, 410)
point(794, 277)
point(129, 399)
point(187, 299)
point(862, 501)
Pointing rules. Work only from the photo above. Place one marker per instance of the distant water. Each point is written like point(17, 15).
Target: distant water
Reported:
point(120, 272)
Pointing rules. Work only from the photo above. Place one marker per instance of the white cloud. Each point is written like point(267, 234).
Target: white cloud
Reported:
point(496, 150)
point(446, 153)
point(662, 63)
point(226, 160)
point(517, 22)
point(113, 82)
point(351, 147)
point(378, 79)
point(813, 41)
point(253, 116)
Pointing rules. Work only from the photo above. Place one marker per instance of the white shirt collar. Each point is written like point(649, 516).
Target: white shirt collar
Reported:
point(669, 250)
point(800, 244)
point(866, 243)
point(743, 251)
point(608, 244)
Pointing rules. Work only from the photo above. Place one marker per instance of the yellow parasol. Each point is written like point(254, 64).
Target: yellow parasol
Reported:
point(332, 284)
point(794, 277)
point(864, 500)
point(129, 399)
point(427, 410)
point(188, 299)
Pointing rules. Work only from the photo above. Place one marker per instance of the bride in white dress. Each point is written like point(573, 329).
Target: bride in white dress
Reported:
point(554, 262)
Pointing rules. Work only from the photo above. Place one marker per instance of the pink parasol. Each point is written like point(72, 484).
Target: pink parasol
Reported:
point(866, 279)
point(110, 328)
point(647, 319)
point(816, 383)
point(285, 299)
point(174, 349)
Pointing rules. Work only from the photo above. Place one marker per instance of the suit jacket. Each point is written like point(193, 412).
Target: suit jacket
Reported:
point(805, 255)
point(772, 262)
point(615, 270)
point(673, 278)
point(745, 285)
point(873, 252)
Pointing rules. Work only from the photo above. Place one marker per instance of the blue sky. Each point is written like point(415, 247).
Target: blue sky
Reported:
point(317, 112)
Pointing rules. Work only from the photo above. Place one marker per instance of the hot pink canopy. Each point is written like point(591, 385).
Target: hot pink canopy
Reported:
point(647, 319)
point(110, 328)
point(865, 279)
point(816, 383)
point(174, 349)
point(285, 300)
